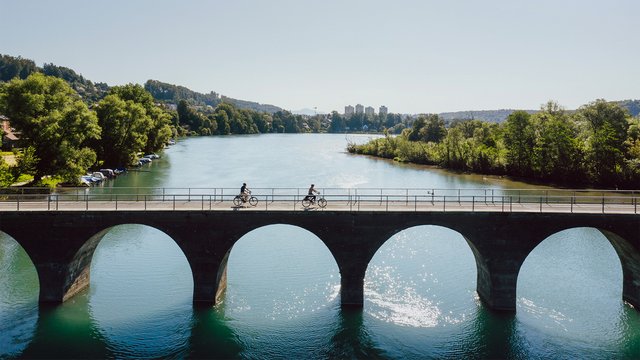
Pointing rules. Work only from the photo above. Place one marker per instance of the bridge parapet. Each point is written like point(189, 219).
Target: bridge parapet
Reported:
point(290, 199)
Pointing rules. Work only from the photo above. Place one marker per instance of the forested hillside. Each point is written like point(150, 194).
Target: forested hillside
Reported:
point(174, 93)
point(12, 67)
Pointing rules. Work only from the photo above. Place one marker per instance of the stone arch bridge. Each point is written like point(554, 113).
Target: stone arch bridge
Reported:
point(61, 243)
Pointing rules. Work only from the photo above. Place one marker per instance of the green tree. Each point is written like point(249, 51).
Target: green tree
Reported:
point(607, 125)
point(124, 125)
point(557, 153)
point(519, 139)
point(54, 121)
point(158, 129)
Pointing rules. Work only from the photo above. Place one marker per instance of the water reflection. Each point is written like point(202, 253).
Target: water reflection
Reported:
point(149, 314)
point(420, 289)
point(282, 293)
point(569, 275)
point(19, 291)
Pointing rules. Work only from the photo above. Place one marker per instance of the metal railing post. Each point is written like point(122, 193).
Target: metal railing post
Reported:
point(145, 202)
point(18, 202)
point(174, 202)
point(473, 203)
point(387, 209)
point(502, 203)
point(116, 202)
point(540, 203)
point(86, 197)
point(415, 207)
point(510, 203)
point(572, 199)
point(603, 203)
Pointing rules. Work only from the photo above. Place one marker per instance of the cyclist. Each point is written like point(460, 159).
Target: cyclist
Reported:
point(310, 194)
point(244, 192)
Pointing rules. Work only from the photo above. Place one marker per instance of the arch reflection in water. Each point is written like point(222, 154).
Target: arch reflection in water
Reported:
point(570, 297)
point(420, 288)
point(18, 297)
point(140, 295)
point(282, 293)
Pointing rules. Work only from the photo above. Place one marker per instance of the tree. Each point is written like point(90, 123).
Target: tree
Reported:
point(158, 131)
point(124, 125)
point(607, 125)
point(54, 121)
point(337, 123)
point(557, 153)
point(519, 140)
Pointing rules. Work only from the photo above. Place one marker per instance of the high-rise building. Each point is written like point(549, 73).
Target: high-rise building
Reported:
point(359, 109)
point(383, 110)
point(348, 111)
point(369, 111)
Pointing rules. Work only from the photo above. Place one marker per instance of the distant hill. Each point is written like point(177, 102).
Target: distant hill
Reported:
point(174, 93)
point(633, 106)
point(11, 67)
point(498, 116)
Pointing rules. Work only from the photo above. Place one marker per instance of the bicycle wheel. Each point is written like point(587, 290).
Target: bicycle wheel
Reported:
point(322, 202)
point(253, 201)
point(237, 200)
point(306, 202)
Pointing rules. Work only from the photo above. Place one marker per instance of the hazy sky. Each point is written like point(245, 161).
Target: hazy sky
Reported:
point(412, 56)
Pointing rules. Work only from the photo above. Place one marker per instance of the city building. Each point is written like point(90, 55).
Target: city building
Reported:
point(359, 109)
point(348, 111)
point(369, 111)
point(383, 110)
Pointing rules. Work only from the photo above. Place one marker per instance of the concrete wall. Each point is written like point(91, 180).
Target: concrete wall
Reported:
point(61, 244)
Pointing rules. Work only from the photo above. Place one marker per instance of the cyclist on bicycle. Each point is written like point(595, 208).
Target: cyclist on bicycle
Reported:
point(244, 192)
point(310, 195)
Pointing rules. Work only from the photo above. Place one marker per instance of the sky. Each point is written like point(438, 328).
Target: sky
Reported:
point(413, 56)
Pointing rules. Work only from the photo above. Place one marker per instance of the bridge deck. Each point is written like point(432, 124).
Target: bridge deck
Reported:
point(210, 205)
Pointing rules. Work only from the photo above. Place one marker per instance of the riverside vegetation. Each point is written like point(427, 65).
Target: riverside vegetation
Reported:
point(68, 124)
point(597, 145)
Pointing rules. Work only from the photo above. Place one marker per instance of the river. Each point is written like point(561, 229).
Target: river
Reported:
point(282, 299)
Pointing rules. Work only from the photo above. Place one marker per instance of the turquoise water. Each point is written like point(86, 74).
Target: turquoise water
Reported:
point(282, 299)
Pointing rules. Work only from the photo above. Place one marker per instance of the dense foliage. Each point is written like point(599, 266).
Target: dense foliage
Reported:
point(54, 122)
point(599, 145)
point(61, 137)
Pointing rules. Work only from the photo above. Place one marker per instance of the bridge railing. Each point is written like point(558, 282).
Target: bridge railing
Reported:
point(362, 199)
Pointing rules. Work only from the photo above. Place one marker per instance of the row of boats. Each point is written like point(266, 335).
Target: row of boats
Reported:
point(97, 177)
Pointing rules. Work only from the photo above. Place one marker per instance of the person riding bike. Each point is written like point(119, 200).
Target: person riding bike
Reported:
point(244, 192)
point(310, 194)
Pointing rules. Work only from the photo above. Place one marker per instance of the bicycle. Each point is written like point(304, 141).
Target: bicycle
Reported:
point(240, 199)
point(308, 201)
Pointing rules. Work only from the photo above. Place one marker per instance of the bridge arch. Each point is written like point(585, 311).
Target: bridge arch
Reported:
point(622, 252)
point(265, 252)
point(572, 272)
point(78, 270)
point(420, 271)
